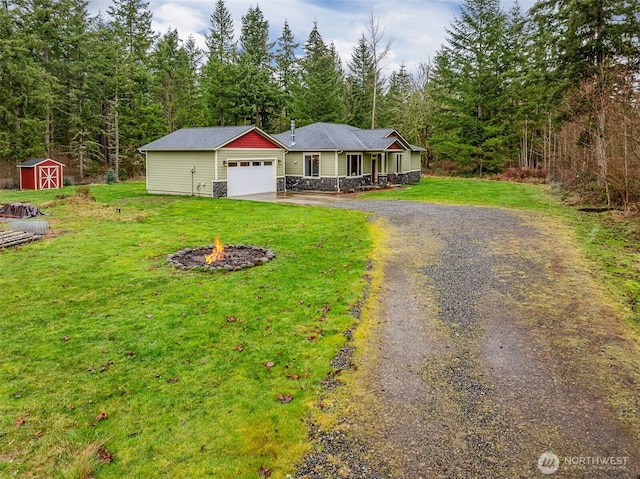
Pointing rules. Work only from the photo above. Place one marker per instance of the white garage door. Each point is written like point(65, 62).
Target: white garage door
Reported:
point(251, 177)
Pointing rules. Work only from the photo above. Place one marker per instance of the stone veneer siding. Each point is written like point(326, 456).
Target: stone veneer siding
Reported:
point(414, 176)
point(353, 183)
point(326, 184)
point(281, 184)
point(219, 189)
point(383, 180)
point(311, 184)
point(404, 178)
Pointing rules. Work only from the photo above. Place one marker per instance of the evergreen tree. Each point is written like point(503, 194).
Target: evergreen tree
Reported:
point(597, 56)
point(257, 92)
point(220, 43)
point(85, 90)
point(469, 121)
point(321, 93)
point(192, 111)
point(24, 89)
point(220, 72)
point(360, 81)
point(132, 28)
point(286, 74)
point(395, 101)
point(172, 75)
point(133, 117)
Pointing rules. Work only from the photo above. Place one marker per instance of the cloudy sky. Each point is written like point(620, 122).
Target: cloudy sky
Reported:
point(417, 27)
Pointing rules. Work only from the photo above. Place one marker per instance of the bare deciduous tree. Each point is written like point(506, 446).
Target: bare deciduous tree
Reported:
point(379, 50)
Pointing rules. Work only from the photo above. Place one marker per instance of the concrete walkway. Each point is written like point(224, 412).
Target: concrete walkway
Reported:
point(301, 198)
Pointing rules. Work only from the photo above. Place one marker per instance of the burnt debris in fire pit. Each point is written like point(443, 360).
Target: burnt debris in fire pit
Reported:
point(235, 258)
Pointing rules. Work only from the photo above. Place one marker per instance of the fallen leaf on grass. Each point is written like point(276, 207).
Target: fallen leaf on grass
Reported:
point(264, 472)
point(70, 407)
point(64, 339)
point(285, 399)
point(131, 354)
point(39, 434)
point(104, 455)
point(149, 316)
point(20, 421)
point(269, 364)
point(231, 319)
point(173, 380)
point(239, 347)
point(102, 416)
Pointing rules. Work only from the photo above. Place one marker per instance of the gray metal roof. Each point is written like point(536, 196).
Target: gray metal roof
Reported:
point(334, 136)
point(207, 138)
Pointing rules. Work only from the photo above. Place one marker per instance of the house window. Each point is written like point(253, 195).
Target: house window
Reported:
point(354, 165)
point(312, 165)
point(398, 162)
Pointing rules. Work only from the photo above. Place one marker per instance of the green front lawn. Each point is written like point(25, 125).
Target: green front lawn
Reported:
point(461, 191)
point(106, 349)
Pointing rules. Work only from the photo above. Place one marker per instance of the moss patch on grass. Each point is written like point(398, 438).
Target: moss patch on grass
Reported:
point(174, 373)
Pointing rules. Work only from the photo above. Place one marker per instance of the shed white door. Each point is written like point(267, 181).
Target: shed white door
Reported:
point(251, 177)
point(50, 178)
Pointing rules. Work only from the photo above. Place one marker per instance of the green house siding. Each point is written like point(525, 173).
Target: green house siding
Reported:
point(169, 172)
point(366, 164)
point(383, 166)
point(416, 161)
point(294, 164)
point(342, 164)
point(238, 155)
point(406, 161)
point(328, 164)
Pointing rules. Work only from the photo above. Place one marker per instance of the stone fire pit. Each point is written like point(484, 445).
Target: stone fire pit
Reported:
point(236, 257)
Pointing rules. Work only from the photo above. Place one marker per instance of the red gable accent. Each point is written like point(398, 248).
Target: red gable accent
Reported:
point(395, 146)
point(49, 162)
point(251, 139)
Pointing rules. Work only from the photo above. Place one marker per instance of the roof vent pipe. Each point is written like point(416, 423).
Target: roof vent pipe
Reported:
point(293, 133)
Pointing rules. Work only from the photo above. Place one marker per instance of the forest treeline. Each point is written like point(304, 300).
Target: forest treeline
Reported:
point(554, 89)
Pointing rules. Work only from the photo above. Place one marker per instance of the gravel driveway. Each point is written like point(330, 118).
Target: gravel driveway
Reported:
point(490, 344)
